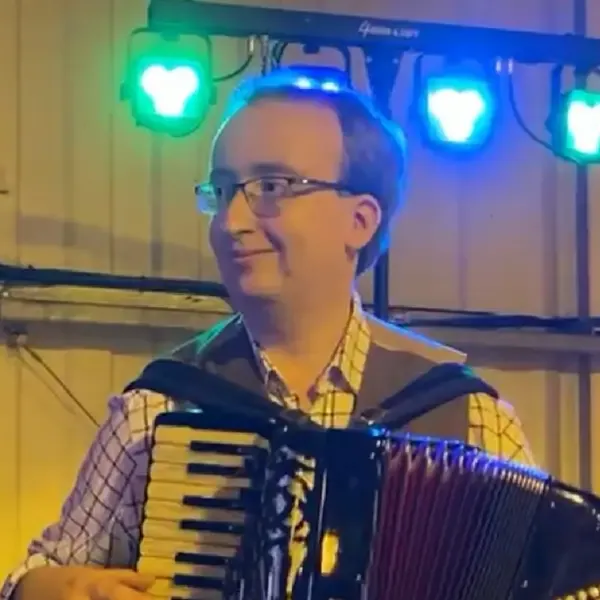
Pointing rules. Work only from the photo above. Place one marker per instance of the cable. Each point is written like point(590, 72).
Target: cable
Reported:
point(251, 48)
point(12, 275)
point(524, 127)
point(19, 346)
point(38, 359)
point(277, 53)
point(50, 371)
point(555, 324)
point(517, 113)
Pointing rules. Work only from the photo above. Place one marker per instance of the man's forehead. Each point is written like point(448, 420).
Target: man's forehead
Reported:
point(304, 137)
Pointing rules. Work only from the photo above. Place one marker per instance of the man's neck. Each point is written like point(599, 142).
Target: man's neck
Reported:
point(298, 340)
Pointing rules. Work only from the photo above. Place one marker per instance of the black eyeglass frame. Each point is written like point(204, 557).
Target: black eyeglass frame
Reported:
point(206, 190)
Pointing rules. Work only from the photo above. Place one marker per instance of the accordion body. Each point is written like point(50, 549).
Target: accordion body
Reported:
point(266, 510)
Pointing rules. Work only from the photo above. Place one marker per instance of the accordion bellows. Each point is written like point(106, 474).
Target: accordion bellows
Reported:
point(451, 521)
point(240, 508)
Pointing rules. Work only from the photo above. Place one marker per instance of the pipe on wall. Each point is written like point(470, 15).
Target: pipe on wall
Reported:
point(582, 275)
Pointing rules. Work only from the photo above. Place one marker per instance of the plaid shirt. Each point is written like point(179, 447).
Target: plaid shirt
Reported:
point(334, 393)
point(493, 425)
point(100, 520)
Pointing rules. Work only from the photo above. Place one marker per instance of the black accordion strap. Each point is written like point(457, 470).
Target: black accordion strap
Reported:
point(443, 383)
point(204, 390)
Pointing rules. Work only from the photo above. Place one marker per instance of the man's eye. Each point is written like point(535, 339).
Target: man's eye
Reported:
point(273, 186)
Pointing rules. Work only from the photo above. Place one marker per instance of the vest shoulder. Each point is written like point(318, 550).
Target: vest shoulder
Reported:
point(190, 350)
point(400, 339)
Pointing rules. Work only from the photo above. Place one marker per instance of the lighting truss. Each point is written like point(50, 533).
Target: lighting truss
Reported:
point(383, 43)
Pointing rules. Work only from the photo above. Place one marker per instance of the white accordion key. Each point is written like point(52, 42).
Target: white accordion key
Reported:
point(172, 531)
point(172, 511)
point(184, 436)
point(201, 491)
point(163, 568)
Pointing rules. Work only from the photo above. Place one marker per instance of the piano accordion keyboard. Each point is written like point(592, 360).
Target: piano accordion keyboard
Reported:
point(203, 489)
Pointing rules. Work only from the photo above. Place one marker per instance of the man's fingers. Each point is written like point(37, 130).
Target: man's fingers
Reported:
point(133, 579)
point(126, 592)
point(119, 584)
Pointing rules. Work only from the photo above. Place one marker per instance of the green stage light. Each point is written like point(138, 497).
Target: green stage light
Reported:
point(577, 126)
point(169, 83)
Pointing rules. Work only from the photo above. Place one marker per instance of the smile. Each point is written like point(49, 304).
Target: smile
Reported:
point(239, 255)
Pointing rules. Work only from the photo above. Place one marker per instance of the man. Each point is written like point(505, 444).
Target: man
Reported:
point(303, 186)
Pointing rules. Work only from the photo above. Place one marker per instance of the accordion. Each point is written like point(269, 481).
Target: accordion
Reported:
point(264, 509)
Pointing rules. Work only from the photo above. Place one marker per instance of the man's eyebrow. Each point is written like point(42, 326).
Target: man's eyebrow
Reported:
point(259, 169)
point(272, 168)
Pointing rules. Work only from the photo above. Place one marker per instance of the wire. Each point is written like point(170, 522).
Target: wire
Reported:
point(556, 324)
point(512, 100)
point(13, 275)
point(251, 48)
point(36, 357)
point(277, 53)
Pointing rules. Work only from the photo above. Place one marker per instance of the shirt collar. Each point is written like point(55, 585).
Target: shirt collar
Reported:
point(347, 364)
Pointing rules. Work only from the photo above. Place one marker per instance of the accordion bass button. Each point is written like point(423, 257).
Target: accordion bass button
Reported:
point(593, 592)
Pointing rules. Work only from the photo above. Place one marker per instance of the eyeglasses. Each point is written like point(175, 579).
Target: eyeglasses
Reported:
point(262, 193)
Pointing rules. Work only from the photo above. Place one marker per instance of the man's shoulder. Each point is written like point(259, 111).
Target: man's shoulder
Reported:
point(191, 350)
point(153, 389)
point(394, 338)
point(139, 408)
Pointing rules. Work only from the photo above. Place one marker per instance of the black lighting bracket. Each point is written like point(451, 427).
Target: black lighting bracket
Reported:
point(383, 42)
point(382, 66)
point(294, 26)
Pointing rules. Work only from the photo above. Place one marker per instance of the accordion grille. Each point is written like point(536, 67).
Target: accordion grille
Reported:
point(453, 524)
point(202, 495)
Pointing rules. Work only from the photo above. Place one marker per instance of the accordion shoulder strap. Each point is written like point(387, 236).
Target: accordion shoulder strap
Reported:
point(196, 388)
point(436, 388)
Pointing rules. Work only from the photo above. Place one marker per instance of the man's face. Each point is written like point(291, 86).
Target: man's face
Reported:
point(307, 238)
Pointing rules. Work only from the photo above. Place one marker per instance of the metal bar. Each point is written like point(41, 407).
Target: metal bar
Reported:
point(210, 18)
point(381, 287)
point(382, 66)
point(189, 314)
point(93, 306)
point(582, 274)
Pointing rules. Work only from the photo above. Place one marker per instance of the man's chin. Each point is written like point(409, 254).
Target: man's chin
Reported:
point(247, 288)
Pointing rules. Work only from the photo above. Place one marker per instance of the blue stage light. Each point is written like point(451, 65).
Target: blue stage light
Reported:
point(327, 85)
point(457, 112)
point(328, 79)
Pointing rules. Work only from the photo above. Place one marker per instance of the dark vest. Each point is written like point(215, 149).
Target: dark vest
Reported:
point(396, 359)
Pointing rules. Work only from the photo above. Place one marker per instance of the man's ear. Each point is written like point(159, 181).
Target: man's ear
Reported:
point(367, 217)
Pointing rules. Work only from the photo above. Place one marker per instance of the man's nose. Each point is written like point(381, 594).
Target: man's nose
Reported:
point(238, 217)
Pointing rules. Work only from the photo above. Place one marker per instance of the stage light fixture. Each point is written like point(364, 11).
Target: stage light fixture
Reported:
point(169, 82)
point(457, 111)
point(577, 126)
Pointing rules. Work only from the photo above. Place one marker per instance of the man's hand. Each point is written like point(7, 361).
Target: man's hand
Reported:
point(89, 583)
point(83, 583)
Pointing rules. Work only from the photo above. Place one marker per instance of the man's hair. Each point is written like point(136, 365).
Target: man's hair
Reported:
point(374, 148)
